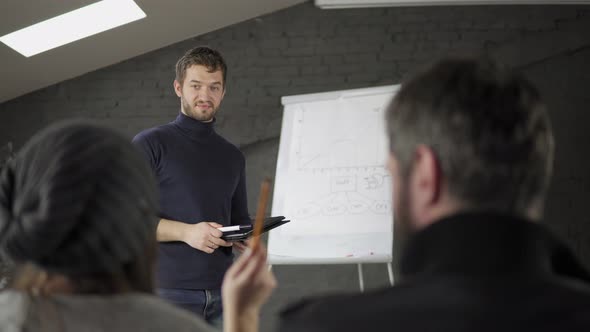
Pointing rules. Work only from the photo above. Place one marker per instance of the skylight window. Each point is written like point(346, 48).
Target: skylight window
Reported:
point(75, 25)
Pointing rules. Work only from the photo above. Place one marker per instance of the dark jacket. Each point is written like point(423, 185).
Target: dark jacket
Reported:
point(469, 272)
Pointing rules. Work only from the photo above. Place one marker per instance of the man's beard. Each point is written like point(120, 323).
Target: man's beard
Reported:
point(403, 222)
point(196, 114)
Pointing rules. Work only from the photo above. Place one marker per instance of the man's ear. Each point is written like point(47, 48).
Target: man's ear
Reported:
point(178, 88)
point(426, 178)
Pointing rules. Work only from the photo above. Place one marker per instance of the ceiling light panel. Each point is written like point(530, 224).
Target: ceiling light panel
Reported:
point(72, 26)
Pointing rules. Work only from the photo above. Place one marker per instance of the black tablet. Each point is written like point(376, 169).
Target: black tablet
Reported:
point(243, 232)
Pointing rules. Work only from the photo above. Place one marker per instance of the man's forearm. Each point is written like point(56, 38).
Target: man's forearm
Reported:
point(170, 230)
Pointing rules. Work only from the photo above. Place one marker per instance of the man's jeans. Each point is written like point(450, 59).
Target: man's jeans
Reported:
point(204, 303)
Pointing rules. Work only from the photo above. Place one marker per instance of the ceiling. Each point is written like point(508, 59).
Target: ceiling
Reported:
point(167, 22)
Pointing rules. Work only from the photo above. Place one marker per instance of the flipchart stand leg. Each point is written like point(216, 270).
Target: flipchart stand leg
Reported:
point(361, 281)
point(390, 272)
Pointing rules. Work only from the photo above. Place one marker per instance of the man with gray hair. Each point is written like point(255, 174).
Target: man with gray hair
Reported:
point(471, 154)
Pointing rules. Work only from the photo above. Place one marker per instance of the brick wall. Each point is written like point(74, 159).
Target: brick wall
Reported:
point(304, 49)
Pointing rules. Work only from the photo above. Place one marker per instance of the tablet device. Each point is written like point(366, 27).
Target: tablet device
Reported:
point(243, 232)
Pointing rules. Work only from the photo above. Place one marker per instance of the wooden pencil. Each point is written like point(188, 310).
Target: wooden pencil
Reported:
point(259, 221)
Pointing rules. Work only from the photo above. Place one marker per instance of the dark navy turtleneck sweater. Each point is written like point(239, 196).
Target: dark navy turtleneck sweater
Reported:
point(201, 177)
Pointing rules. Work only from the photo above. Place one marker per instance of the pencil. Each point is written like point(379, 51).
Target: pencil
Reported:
point(259, 221)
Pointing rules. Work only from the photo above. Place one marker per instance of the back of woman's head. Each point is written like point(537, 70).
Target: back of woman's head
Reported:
point(78, 200)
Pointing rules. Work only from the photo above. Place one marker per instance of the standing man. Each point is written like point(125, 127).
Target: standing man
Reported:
point(471, 154)
point(202, 185)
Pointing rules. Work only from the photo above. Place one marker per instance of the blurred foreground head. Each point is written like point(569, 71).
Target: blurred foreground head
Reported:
point(468, 134)
point(78, 202)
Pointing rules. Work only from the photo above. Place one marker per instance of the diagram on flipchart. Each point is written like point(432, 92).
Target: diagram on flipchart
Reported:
point(346, 197)
point(355, 138)
point(338, 182)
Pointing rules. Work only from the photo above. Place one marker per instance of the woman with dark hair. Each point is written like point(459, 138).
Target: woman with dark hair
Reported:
point(77, 217)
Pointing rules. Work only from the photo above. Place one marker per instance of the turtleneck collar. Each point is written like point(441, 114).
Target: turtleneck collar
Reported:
point(487, 243)
point(194, 128)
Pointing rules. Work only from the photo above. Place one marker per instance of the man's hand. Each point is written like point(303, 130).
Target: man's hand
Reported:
point(247, 285)
point(241, 246)
point(204, 236)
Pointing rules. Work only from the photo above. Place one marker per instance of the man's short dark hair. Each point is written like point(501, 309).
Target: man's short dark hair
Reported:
point(488, 128)
point(203, 56)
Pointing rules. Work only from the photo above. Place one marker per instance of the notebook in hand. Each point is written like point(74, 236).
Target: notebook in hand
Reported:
point(243, 232)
